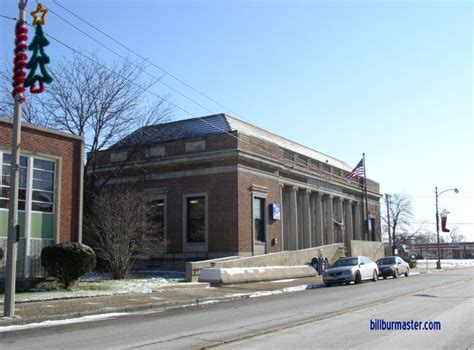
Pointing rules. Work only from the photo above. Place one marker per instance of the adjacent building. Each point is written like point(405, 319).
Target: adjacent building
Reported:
point(50, 192)
point(218, 186)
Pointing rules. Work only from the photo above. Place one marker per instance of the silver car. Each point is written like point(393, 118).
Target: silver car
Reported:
point(351, 269)
point(393, 266)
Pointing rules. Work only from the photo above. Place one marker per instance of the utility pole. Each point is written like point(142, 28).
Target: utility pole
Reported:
point(13, 228)
point(387, 200)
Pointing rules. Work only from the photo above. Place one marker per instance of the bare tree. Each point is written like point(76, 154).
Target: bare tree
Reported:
point(121, 230)
point(89, 98)
point(455, 236)
point(31, 108)
point(401, 214)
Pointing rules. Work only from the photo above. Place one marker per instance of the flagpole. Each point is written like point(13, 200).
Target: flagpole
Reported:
point(366, 226)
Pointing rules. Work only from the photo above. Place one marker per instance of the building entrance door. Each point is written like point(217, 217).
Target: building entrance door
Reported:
point(259, 226)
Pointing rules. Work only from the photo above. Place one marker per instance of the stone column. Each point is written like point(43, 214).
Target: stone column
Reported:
point(312, 204)
point(357, 222)
point(306, 220)
point(319, 228)
point(282, 219)
point(293, 221)
point(348, 223)
point(287, 218)
point(300, 206)
point(329, 217)
point(339, 217)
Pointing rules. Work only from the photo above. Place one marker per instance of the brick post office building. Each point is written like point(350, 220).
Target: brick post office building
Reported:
point(220, 187)
point(50, 192)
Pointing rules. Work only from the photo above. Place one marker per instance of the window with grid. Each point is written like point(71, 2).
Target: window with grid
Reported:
point(43, 185)
point(6, 181)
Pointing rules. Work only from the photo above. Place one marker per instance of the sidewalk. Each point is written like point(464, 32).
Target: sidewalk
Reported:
point(163, 297)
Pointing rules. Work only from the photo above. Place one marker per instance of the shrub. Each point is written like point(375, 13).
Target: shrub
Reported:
point(1, 253)
point(68, 261)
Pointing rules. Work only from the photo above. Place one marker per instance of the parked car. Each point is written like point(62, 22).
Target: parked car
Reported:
point(393, 266)
point(351, 269)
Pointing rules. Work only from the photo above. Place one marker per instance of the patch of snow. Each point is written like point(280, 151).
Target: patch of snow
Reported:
point(62, 322)
point(282, 281)
point(445, 263)
point(279, 291)
point(99, 284)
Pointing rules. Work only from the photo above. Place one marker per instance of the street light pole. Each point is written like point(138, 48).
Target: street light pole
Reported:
point(13, 228)
point(392, 247)
point(438, 263)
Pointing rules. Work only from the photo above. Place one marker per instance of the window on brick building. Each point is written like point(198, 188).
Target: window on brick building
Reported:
point(156, 217)
point(259, 219)
point(196, 219)
point(43, 185)
point(6, 181)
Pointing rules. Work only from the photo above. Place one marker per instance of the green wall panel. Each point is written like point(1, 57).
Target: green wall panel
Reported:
point(4, 223)
point(42, 225)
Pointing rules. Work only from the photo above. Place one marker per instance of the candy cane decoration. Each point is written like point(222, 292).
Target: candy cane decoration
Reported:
point(19, 62)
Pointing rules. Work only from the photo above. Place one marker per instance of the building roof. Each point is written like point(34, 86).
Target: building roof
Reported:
point(218, 124)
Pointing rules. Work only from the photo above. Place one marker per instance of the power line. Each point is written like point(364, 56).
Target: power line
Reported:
point(272, 155)
point(145, 59)
point(156, 79)
point(145, 90)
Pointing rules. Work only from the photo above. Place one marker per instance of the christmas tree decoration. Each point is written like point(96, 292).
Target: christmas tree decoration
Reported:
point(19, 62)
point(38, 58)
point(40, 9)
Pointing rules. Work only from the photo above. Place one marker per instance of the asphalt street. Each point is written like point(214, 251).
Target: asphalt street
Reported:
point(336, 317)
point(450, 305)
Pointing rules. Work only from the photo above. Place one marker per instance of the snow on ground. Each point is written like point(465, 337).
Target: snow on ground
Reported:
point(97, 284)
point(445, 263)
point(62, 322)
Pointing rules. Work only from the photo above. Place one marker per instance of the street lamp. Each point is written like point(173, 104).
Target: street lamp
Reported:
point(438, 263)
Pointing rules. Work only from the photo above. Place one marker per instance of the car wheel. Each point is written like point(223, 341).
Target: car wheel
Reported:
point(328, 284)
point(407, 273)
point(357, 278)
point(374, 276)
point(395, 274)
point(384, 277)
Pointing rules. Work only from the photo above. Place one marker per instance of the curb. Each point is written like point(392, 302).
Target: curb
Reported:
point(4, 322)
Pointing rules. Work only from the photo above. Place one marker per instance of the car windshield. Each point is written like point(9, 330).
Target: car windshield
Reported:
point(346, 262)
point(386, 261)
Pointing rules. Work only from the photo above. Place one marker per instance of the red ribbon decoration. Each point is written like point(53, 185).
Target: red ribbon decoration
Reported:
point(37, 90)
point(19, 62)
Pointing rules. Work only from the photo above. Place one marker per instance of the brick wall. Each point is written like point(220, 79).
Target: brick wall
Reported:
point(222, 218)
point(69, 149)
point(245, 182)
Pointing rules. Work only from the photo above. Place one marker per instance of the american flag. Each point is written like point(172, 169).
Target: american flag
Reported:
point(357, 171)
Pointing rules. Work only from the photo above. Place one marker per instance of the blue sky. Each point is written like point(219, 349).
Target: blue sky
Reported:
point(392, 79)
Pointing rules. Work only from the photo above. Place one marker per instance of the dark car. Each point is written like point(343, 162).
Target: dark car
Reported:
point(393, 266)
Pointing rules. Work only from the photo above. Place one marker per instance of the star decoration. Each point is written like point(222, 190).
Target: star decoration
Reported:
point(40, 9)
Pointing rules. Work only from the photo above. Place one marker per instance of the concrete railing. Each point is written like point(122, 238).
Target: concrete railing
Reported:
point(286, 258)
point(193, 269)
point(287, 264)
